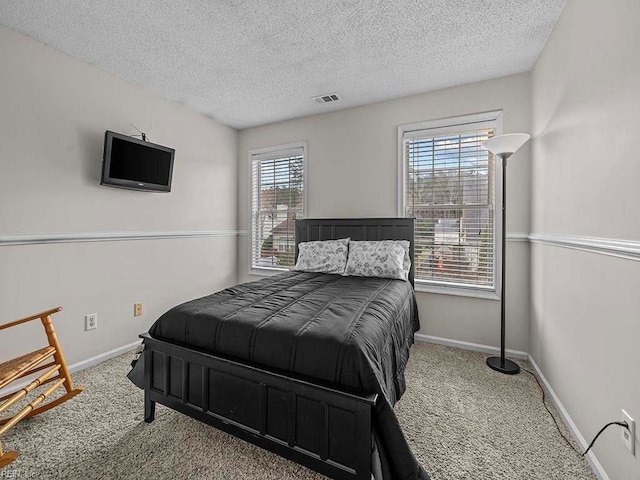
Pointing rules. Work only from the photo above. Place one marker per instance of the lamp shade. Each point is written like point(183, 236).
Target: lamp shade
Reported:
point(506, 144)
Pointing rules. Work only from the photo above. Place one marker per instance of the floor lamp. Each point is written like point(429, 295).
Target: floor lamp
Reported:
point(504, 146)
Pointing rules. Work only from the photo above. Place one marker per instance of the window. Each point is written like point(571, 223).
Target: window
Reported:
point(277, 199)
point(449, 186)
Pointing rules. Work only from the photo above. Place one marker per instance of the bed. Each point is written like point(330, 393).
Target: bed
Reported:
point(306, 365)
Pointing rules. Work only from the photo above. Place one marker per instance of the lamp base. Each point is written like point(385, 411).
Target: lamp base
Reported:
point(507, 367)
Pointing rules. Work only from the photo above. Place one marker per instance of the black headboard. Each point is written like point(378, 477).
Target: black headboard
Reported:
point(357, 229)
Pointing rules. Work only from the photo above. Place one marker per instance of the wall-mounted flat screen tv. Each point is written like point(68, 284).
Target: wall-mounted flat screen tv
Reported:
point(136, 164)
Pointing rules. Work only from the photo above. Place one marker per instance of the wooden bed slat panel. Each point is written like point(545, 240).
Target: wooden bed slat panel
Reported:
point(245, 401)
point(357, 229)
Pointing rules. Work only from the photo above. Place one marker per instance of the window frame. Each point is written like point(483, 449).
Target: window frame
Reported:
point(272, 152)
point(453, 125)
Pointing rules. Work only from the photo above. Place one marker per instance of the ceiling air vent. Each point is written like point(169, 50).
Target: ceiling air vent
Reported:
point(329, 97)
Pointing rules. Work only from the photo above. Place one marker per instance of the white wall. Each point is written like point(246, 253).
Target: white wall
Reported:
point(585, 326)
point(352, 172)
point(54, 111)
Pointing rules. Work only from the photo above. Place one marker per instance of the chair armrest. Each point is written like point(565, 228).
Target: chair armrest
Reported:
point(32, 317)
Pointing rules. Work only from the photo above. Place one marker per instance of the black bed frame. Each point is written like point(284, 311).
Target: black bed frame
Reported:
point(322, 426)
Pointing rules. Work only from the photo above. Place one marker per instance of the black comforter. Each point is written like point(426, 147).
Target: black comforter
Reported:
point(352, 331)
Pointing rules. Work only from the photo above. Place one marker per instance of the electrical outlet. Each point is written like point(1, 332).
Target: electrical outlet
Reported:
point(137, 309)
point(91, 321)
point(629, 436)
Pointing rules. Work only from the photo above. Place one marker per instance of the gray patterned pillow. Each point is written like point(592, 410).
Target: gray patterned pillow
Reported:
point(327, 256)
point(385, 258)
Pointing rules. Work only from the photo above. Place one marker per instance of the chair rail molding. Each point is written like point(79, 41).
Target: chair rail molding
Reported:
point(517, 237)
point(628, 249)
point(37, 239)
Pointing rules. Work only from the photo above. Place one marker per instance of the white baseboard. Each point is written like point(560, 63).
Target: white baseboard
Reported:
point(591, 458)
point(82, 365)
point(476, 347)
point(103, 357)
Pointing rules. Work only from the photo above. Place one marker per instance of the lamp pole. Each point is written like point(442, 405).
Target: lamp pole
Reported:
point(502, 364)
point(504, 146)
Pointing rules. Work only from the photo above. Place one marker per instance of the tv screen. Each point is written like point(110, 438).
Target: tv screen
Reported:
point(136, 164)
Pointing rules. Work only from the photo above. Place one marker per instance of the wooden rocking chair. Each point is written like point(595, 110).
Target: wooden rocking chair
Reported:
point(28, 364)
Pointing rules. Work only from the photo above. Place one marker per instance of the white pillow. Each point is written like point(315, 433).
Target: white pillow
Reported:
point(326, 256)
point(385, 258)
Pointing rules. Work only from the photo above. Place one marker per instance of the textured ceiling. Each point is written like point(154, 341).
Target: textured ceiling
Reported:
point(251, 62)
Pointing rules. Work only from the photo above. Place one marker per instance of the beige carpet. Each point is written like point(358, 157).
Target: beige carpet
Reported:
point(463, 420)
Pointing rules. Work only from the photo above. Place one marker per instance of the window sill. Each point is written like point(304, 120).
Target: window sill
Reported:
point(460, 292)
point(266, 271)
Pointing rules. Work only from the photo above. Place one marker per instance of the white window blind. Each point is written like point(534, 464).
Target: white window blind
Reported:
point(449, 188)
point(277, 199)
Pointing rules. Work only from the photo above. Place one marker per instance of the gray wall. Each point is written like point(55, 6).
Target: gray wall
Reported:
point(352, 172)
point(586, 183)
point(53, 113)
